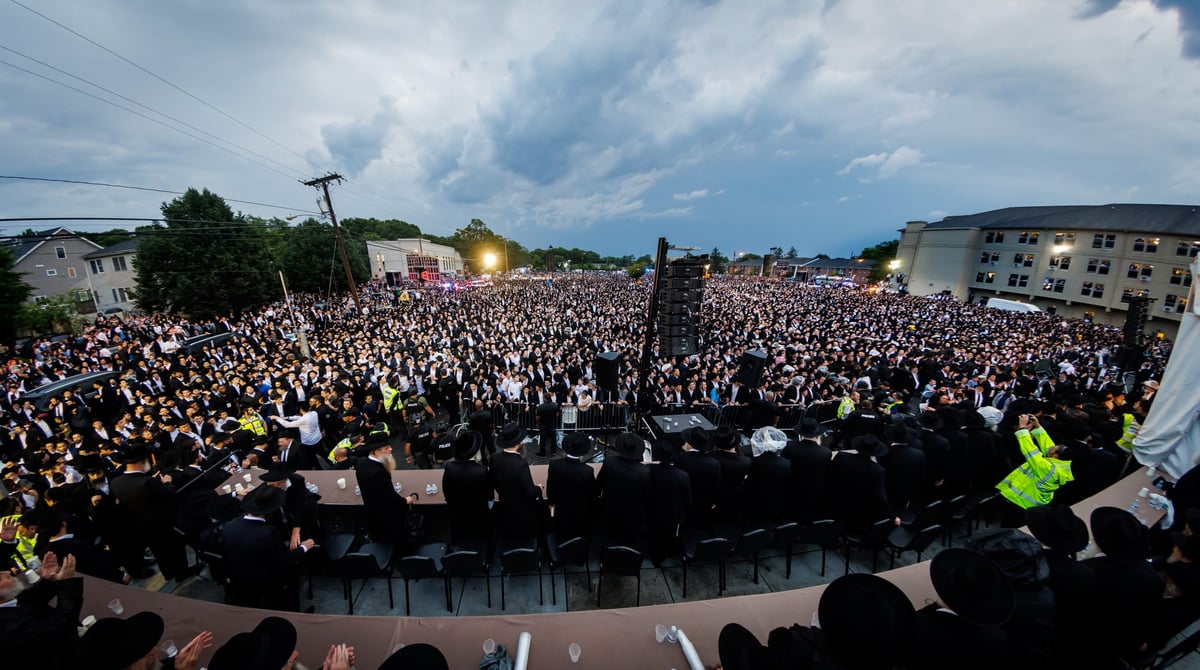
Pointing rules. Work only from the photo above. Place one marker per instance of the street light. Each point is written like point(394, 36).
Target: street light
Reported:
point(894, 265)
point(489, 260)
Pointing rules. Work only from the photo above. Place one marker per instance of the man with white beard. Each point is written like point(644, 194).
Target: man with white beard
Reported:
point(387, 510)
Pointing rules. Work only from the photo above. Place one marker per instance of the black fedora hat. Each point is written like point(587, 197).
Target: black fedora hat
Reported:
point(725, 438)
point(868, 445)
point(868, 621)
point(263, 500)
point(89, 463)
point(1057, 527)
point(738, 649)
point(466, 444)
point(699, 438)
point(809, 427)
point(930, 421)
point(576, 444)
point(971, 585)
point(276, 473)
point(378, 440)
point(268, 647)
point(1119, 535)
point(113, 644)
point(135, 452)
point(418, 656)
point(290, 433)
point(510, 434)
point(629, 446)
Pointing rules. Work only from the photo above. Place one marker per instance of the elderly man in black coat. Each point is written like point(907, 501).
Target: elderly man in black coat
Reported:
point(262, 570)
point(855, 492)
point(625, 492)
point(468, 490)
point(809, 460)
point(387, 510)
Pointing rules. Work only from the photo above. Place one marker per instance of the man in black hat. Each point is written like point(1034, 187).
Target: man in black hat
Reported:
point(520, 500)
point(291, 454)
point(387, 510)
point(855, 492)
point(625, 492)
point(547, 420)
point(810, 461)
point(418, 656)
point(1062, 535)
point(704, 473)
point(271, 645)
point(1128, 582)
point(132, 644)
point(481, 421)
point(262, 571)
point(906, 477)
point(735, 467)
point(149, 504)
point(964, 629)
point(468, 490)
point(571, 488)
point(297, 517)
point(90, 559)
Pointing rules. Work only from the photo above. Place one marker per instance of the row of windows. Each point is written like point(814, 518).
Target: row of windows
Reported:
point(118, 265)
point(1091, 289)
point(52, 272)
point(1145, 245)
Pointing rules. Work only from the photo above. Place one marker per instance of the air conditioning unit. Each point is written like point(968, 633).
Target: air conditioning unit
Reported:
point(1168, 309)
point(1144, 278)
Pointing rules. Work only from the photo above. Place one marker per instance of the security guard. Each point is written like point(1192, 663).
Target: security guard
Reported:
point(252, 422)
point(419, 447)
point(392, 402)
point(1033, 484)
point(847, 405)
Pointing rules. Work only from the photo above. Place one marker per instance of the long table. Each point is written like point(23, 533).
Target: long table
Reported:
point(410, 481)
point(609, 638)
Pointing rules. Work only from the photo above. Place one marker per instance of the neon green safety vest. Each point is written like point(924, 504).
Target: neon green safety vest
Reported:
point(390, 396)
point(1034, 483)
point(845, 407)
point(1130, 430)
point(254, 424)
point(24, 550)
point(344, 444)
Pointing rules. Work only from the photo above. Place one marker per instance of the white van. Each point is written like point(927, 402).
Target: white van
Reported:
point(1012, 305)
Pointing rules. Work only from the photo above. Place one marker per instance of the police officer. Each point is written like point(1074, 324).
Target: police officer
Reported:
point(419, 446)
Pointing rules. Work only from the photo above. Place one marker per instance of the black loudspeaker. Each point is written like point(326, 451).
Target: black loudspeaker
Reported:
point(680, 346)
point(677, 269)
point(768, 265)
point(750, 368)
point(675, 320)
point(605, 368)
point(682, 283)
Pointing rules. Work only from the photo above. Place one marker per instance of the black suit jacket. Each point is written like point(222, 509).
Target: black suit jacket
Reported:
point(468, 490)
point(258, 560)
point(704, 472)
point(906, 476)
point(810, 462)
point(145, 501)
point(735, 468)
point(387, 510)
point(625, 491)
point(571, 488)
point(948, 641)
point(854, 491)
point(35, 635)
point(766, 496)
point(520, 506)
point(89, 559)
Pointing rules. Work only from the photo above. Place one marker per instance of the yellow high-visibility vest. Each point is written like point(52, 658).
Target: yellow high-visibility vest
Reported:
point(1034, 483)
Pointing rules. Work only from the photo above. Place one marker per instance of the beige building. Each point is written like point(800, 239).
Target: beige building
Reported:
point(1079, 260)
point(111, 276)
point(52, 262)
point(412, 260)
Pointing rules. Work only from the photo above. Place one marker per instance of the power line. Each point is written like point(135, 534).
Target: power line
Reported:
point(148, 118)
point(167, 82)
point(154, 190)
point(147, 107)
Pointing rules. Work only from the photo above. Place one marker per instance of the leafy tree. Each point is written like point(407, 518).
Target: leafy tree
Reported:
point(717, 261)
point(206, 261)
point(776, 251)
point(13, 292)
point(882, 254)
point(637, 270)
point(52, 315)
point(110, 237)
point(791, 252)
point(750, 257)
point(309, 258)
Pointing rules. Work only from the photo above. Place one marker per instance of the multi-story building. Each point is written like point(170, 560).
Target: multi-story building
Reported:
point(412, 260)
point(111, 277)
point(52, 262)
point(1078, 260)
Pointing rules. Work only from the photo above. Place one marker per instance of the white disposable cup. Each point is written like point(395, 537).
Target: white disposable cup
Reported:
point(248, 477)
point(239, 487)
point(168, 648)
point(489, 645)
point(1144, 492)
point(574, 651)
point(89, 621)
point(341, 482)
point(660, 633)
point(227, 488)
point(116, 606)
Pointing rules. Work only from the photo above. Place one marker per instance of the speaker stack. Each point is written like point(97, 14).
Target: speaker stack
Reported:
point(679, 308)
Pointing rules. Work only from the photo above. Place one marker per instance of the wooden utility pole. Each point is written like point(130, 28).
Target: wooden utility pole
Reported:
point(323, 183)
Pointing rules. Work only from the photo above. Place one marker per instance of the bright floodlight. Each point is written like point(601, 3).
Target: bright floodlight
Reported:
point(489, 260)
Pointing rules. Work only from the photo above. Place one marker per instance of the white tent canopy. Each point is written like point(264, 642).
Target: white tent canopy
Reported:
point(1170, 437)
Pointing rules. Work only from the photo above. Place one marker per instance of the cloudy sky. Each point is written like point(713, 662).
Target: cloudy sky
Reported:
point(819, 124)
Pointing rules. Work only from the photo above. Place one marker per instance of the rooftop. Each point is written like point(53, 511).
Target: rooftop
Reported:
point(1183, 220)
point(124, 247)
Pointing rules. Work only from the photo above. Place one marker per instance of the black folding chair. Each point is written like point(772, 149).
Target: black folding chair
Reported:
point(425, 564)
point(623, 561)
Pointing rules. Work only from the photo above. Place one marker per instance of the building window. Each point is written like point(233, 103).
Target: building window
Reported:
point(989, 257)
point(1129, 293)
point(985, 277)
point(1028, 237)
point(1147, 245)
point(61, 252)
point(1142, 271)
point(1169, 302)
point(120, 295)
point(1092, 290)
point(1187, 248)
point(1064, 239)
point(119, 264)
point(1104, 241)
point(1023, 260)
point(71, 272)
point(1060, 263)
point(1018, 281)
point(51, 272)
point(1181, 277)
point(98, 266)
point(1098, 266)
point(994, 237)
point(1055, 285)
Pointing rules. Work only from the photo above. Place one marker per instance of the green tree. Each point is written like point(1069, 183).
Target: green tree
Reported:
point(717, 261)
point(52, 315)
point(882, 254)
point(308, 256)
point(791, 252)
point(637, 270)
point(110, 237)
point(13, 292)
point(474, 242)
point(205, 261)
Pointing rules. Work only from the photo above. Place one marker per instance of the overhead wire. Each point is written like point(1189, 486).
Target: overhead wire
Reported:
point(154, 190)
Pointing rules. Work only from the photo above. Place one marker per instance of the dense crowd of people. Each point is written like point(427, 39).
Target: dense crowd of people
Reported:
point(870, 406)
